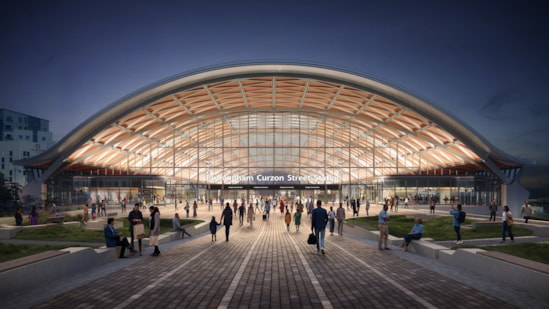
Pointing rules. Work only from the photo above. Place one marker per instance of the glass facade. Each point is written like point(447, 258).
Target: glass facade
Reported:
point(274, 150)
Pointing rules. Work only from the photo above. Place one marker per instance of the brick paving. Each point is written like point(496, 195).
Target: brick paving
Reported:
point(265, 266)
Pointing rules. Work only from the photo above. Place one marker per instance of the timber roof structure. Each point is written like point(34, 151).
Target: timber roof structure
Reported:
point(257, 119)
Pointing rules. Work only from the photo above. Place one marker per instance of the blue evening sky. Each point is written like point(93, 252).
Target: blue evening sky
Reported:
point(485, 62)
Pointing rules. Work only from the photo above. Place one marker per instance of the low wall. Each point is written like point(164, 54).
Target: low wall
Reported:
point(471, 260)
point(493, 269)
point(9, 232)
point(42, 272)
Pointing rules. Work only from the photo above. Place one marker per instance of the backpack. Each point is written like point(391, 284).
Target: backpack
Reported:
point(461, 216)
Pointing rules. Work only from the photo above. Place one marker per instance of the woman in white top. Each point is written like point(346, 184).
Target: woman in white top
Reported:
point(506, 217)
point(331, 219)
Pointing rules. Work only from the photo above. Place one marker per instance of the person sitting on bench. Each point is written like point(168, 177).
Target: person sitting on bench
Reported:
point(177, 226)
point(113, 239)
point(417, 231)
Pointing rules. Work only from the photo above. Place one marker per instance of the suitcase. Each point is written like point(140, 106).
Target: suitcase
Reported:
point(264, 217)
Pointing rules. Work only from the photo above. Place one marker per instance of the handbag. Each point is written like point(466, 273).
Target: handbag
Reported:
point(139, 231)
point(153, 240)
point(312, 239)
point(510, 220)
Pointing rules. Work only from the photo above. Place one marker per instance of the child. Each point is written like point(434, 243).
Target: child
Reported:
point(94, 211)
point(213, 228)
point(288, 220)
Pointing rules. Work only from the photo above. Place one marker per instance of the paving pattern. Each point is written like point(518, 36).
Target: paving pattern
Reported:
point(265, 266)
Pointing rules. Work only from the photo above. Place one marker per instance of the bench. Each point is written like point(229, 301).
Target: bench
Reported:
point(537, 266)
point(112, 214)
point(35, 258)
point(113, 252)
point(426, 248)
point(58, 220)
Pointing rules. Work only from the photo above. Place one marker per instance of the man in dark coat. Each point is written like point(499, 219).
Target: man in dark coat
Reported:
point(113, 239)
point(318, 225)
point(227, 219)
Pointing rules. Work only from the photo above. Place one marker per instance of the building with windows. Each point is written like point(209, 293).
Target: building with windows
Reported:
point(21, 136)
point(287, 131)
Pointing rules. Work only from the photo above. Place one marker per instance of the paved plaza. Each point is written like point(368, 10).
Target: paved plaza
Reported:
point(265, 266)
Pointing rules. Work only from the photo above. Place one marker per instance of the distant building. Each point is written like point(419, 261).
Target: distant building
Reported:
point(21, 136)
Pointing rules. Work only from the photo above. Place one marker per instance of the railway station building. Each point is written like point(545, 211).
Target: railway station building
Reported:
point(289, 131)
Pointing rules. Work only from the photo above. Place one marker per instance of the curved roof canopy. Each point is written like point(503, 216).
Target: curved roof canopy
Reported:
point(268, 119)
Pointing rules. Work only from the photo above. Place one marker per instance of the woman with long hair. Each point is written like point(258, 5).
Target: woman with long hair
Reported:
point(154, 227)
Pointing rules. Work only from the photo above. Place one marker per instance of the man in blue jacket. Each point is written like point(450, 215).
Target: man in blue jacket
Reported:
point(113, 239)
point(318, 225)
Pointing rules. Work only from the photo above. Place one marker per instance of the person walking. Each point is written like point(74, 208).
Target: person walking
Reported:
point(241, 213)
point(267, 208)
point(213, 228)
point(367, 207)
point(33, 216)
point(340, 216)
point(195, 207)
point(19, 217)
point(187, 208)
point(227, 219)
point(136, 217)
point(432, 203)
point(455, 222)
point(493, 207)
point(94, 211)
point(85, 216)
point(507, 223)
point(417, 231)
point(319, 219)
point(383, 226)
point(154, 228)
point(288, 220)
point(526, 211)
point(297, 219)
point(331, 219)
point(103, 208)
point(251, 214)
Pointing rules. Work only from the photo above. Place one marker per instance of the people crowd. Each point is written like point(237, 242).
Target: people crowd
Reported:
point(320, 217)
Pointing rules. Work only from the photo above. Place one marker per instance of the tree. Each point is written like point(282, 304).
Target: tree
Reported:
point(9, 195)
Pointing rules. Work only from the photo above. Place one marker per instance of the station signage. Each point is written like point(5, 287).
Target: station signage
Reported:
point(274, 179)
point(274, 187)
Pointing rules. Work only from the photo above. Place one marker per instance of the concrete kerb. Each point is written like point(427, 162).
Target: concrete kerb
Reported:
point(467, 259)
point(496, 270)
point(9, 232)
point(57, 267)
point(54, 268)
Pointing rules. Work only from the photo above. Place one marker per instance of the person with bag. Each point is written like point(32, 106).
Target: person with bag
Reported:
point(319, 219)
point(137, 229)
point(154, 228)
point(507, 223)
